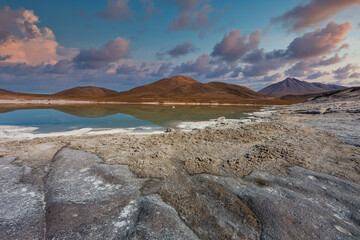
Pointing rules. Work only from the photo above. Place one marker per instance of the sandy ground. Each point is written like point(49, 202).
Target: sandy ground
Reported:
point(229, 148)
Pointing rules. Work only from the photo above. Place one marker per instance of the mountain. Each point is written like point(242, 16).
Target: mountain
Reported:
point(292, 86)
point(181, 88)
point(174, 89)
point(85, 92)
point(3, 91)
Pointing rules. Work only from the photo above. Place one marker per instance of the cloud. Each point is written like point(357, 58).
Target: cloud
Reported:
point(182, 49)
point(255, 56)
point(200, 65)
point(163, 71)
point(263, 66)
point(220, 71)
point(25, 42)
point(116, 10)
point(304, 51)
point(18, 69)
point(300, 69)
point(61, 67)
point(149, 8)
point(120, 11)
point(355, 75)
point(330, 61)
point(234, 46)
point(272, 78)
point(344, 72)
point(193, 14)
point(6, 57)
point(113, 50)
point(178, 51)
point(319, 42)
point(317, 74)
point(313, 12)
point(196, 15)
point(126, 69)
point(354, 83)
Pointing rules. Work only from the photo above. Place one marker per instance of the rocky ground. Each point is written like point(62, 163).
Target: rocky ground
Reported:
point(278, 178)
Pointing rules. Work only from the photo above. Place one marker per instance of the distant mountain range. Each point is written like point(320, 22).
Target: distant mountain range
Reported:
point(174, 89)
point(292, 86)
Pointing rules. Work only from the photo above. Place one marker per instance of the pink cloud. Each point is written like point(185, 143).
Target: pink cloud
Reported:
point(25, 42)
point(234, 46)
point(319, 42)
point(200, 65)
point(314, 12)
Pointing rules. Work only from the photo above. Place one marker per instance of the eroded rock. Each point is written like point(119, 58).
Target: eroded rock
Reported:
point(86, 199)
point(308, 205)
point(21, 207)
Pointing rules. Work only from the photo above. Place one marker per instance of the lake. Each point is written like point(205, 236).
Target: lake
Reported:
point(102, 116)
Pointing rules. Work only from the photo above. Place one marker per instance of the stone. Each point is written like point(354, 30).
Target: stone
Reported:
point(307, 205)
point(21, 208)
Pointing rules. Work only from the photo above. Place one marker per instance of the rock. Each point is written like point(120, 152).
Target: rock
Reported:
point(329, 110)
point(353, 111)
point(168, 130)
point(21, 208)
point(308, 205)
point(86, 199)
point(221, 120)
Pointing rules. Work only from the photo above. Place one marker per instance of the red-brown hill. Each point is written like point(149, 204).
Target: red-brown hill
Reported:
point(3, 91)
point(85, 92)
point(185, 89)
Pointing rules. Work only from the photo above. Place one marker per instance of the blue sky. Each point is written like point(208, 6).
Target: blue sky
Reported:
point(142, 33)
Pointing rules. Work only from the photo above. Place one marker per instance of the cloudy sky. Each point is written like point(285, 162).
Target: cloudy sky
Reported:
point(47, 46)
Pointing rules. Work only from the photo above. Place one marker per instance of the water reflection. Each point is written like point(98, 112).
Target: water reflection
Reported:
point(161, 115)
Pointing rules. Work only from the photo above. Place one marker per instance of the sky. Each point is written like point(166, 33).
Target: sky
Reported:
point(49, 46)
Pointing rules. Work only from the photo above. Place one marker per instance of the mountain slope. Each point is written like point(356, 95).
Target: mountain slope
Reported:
point(85, 92)
point(3, 91)
point(181, 87)
point(292, 86)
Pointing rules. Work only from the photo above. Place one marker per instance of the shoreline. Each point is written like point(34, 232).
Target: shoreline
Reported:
point(266, 136)
point(75, 102)
point(12, 132)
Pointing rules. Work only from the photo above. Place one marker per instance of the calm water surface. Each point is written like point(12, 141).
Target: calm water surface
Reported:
point(65, 118)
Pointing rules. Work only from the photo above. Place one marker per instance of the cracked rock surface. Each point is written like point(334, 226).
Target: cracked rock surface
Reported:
point(84, 198)
point(21, 206)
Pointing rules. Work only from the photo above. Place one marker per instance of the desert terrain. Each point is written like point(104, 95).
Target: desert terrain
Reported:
point(282, 173)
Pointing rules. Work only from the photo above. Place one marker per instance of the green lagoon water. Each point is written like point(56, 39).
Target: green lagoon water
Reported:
point(65, 117)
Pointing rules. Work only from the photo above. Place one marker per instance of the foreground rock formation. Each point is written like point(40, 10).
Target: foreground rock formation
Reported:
point(86, 199)
point(336, 112)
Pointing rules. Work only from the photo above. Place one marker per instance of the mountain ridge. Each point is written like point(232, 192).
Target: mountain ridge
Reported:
point(293, 86)
point(180, 89)
point(85, 91)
